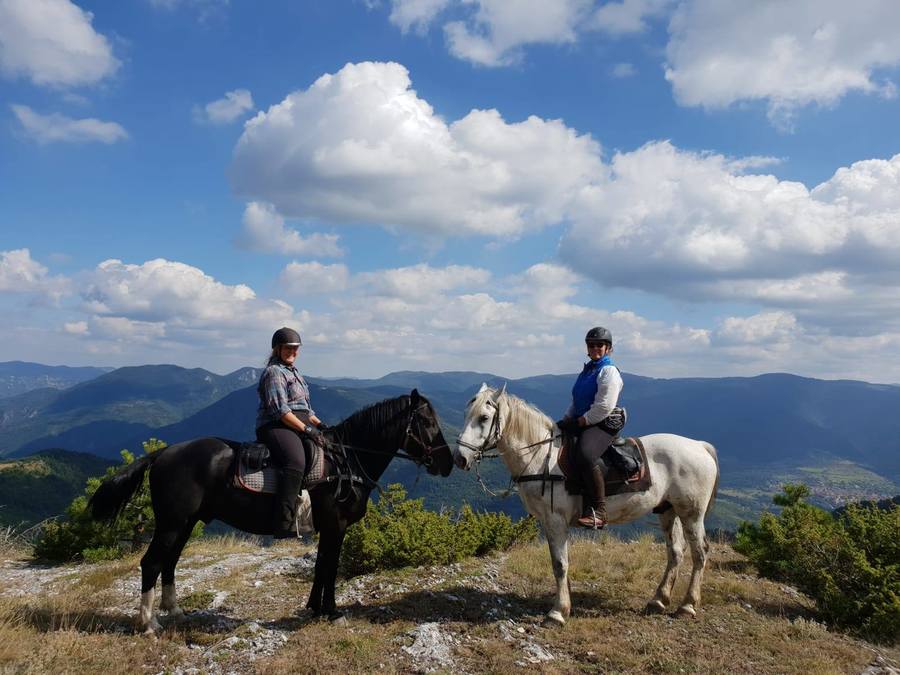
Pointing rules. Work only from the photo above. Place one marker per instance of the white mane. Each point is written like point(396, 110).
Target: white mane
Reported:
point(523, 421)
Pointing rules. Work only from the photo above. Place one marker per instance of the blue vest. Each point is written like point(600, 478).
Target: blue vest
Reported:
point(585, 390)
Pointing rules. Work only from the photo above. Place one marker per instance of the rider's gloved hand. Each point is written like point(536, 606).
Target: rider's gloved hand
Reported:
point(314, 435)
point(323, 426)
point(567, 424)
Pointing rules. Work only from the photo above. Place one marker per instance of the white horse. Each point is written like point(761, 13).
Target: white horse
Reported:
point(684, 475)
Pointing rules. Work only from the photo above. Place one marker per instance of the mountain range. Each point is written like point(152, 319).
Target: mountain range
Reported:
point(17, 377)
point(842, 437)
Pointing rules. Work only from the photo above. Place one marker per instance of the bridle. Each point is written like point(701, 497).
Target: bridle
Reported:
point(492, 443)
point(414, 431)
point(489, 443)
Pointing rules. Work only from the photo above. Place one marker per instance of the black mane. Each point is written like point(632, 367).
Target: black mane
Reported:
point(375, 419)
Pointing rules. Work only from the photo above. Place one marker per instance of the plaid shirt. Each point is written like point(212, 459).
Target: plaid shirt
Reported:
point(282, 390)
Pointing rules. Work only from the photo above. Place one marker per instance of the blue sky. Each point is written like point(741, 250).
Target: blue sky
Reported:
point(439, 184)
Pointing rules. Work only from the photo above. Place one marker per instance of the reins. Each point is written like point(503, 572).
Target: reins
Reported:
point(427, 449)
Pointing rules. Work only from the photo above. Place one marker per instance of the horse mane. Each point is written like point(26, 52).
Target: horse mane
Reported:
point(525, 420)
point(374, 417)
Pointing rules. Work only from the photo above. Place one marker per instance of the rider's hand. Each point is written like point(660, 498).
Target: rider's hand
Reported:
point(323, 426)
point(314, 435)
point(567, 424)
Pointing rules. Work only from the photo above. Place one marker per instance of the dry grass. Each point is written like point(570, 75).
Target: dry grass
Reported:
point(745, 624)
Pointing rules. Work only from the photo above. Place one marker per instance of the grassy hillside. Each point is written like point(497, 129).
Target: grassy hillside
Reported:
point(244, 614)
point(43, 485)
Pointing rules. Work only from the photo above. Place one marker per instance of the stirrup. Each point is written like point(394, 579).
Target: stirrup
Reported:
point(593, 521)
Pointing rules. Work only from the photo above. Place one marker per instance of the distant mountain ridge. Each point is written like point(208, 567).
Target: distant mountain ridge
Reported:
point(18, 377)
point(841, 437)
point(125, 402)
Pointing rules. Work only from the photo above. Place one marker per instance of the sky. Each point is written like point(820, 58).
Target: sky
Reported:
point(453, 184)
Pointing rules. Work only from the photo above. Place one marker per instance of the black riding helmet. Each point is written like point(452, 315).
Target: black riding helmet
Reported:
point(286, 336)
point(599, 334)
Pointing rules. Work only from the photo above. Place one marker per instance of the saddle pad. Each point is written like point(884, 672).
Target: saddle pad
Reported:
point(615, 483)
point(266, 480)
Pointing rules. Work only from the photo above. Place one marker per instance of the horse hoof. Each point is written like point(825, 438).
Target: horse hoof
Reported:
point(655, 607)
point(687, 611)
point(152, 628)
point(176, 613)
point(554, 619)
point(338, 620)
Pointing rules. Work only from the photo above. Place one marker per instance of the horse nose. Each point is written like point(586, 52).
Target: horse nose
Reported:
point(459, 460)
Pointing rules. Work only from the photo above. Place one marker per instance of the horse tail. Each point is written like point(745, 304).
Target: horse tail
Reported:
point(710, 448)
point(116, 491)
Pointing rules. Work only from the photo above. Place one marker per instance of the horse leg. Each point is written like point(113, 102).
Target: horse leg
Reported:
point(672, 531)
point(329, 606)
point(151, 565)
point(695, 532)
point(557, 531)
point(169, 600)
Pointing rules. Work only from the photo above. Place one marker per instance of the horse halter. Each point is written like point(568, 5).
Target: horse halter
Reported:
point(488, 444)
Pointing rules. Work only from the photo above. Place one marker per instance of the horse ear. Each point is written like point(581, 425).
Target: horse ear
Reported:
point(500, 392)
point(483, 387)
point(414, 396)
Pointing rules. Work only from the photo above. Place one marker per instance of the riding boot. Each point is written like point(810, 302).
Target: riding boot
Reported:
point(594, 514)
point(285, 503)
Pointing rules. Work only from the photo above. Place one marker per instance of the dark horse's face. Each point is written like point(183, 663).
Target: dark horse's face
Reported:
point(425, 440)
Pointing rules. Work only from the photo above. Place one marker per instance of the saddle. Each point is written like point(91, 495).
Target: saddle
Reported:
point(254, 470)
point(624, 463)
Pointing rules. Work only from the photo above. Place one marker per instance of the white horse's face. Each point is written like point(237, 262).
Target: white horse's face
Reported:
point(481, 427)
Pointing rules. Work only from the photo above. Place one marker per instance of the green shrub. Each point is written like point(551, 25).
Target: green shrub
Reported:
point(79, 537)
point(850, 565)
point(400, 532)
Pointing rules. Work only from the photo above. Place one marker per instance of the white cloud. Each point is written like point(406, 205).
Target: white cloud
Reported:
point(205, 10)
point(690, 225)
point(623, 70)
point(360, 146)
point(628, 16)
point(416, 14)
point(265, 231)
point(52, 42)
point(494, 35)
point(313, 277)
point(422, 282)
point(176, 296)
point(20, 273)
point(227, 109)
point(76, 327)
point(56, 128)
point(721, 52)
point(495, 32)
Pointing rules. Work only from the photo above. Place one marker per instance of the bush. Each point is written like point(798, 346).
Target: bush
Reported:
point(850, 564)
point(400, 532)
point(79, 537)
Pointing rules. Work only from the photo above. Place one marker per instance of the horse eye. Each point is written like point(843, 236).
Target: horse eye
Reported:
point(483, 419)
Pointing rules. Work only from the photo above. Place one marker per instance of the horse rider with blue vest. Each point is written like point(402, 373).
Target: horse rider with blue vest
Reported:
point(287, 424)
point(594, 397)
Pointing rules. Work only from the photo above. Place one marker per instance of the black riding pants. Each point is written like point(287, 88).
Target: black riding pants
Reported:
point(288, 447)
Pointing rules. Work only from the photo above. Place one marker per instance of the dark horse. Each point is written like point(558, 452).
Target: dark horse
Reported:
point(190, 482)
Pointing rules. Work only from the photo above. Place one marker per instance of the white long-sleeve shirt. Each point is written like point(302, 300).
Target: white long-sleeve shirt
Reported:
point(609, 386)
